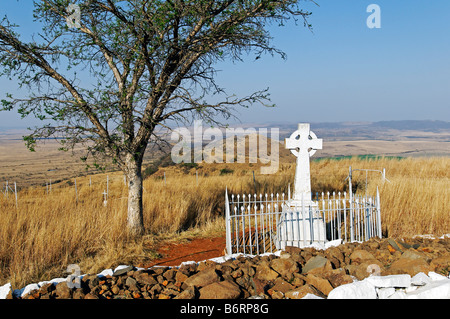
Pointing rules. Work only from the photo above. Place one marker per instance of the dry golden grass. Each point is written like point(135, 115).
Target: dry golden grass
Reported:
point(49, 231)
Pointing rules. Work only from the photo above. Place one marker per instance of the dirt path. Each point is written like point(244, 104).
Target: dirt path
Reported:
point(199, 249)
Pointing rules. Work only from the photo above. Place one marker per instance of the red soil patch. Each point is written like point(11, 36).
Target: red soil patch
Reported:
point(195, 250)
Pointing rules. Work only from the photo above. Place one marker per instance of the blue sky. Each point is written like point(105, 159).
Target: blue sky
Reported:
point(343, 71)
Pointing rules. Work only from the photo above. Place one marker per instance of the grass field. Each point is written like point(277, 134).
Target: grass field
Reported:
point(46, 232)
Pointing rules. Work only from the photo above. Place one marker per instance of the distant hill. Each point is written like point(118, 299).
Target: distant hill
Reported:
point(426, 126)
point(371, 130)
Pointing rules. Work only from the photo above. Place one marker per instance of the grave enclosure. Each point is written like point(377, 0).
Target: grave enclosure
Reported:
point(265, 223)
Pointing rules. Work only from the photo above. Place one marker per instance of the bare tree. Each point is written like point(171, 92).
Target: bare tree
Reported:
point(149, 62)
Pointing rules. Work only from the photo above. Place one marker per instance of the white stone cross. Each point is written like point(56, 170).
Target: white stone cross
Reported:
point(303, 143)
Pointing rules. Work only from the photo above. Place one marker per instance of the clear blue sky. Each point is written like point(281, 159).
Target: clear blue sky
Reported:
point(343, 71)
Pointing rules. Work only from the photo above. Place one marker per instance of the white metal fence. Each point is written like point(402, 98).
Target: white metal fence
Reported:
point(257, 224)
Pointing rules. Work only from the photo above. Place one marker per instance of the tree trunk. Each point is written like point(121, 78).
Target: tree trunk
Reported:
point(135, 218)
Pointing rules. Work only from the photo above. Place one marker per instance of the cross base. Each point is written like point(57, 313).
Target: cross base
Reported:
point(300, 227)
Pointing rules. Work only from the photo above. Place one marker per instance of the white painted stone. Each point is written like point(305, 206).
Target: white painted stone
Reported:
point(56, 281)
point(311, 296)
point(420, 279)
point(435, 276)
point(41, 283)
point(120, 267)
point(434, 290)
point(411, 288)
point(385, 293)
point(396, 281)
point(4, 291)
point(356, 290)
point(28, 289)
point(106, 272)
point(398, 294)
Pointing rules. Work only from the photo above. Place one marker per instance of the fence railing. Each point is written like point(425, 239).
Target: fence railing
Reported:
point(257, 224)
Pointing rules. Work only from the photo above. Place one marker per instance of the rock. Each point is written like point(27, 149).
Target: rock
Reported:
point(206, 265)
point(122, 270)
point(301, 292)
point(435, 277)
point(188, 268)
point(170, 274)
point(47, 288)
point(338, 277)
point(259, 286)
point(220, 290)
point(393, 245)
point(413, 254)
point(397, 281)
point(131, 283)
point(385, 293)
point(319, 283)
point(355, 290)
point(335, 256)
point(5, 291)
point(78, 294)
point(361, 255)
point(91, 280)
point(203, 278)
point(156, 289)
point(188, 293)
point(299, 280)
point(115, 290)
point(265, 273)
point(91, 296)
point(62, 291)
point(292, 250)
point(282, 285)
point(275, 294)
point(180, 277)
point(311, 296)
point(144, 278)
point(408, 266)
point(441, 263)
point(314, 263)
point(284, 266)
point(434, 290)
point(420, 279)
point(29, 288)
point(159, 270)
point(363, 270)
point(247, 269)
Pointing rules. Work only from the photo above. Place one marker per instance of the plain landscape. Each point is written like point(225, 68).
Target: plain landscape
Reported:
point(47, 229)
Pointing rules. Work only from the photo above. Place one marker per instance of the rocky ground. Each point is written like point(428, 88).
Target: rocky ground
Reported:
point(294, 274)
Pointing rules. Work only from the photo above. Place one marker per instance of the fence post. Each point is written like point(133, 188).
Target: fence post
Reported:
point(227, 222)
point(352, 238)
point(15, 192)
point(105, 201)
point(254, 181)
point(379, 214)
point(76, 191)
